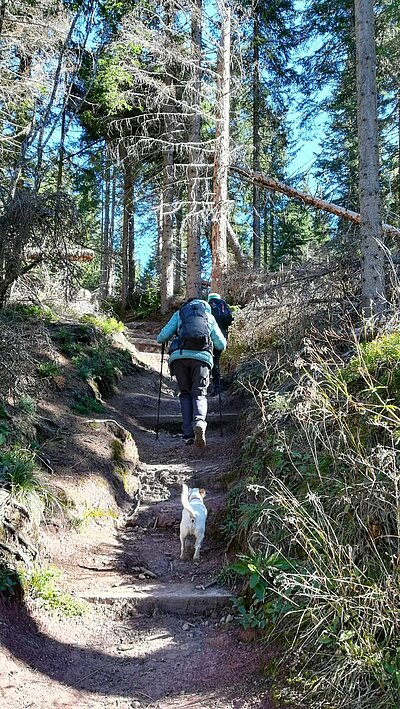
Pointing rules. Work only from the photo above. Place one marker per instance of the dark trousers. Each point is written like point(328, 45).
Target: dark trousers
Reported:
point(215, 372)
point(192, 377)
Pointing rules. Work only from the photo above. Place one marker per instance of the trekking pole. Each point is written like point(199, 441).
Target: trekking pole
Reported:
point(220, 403)
point(159, 391)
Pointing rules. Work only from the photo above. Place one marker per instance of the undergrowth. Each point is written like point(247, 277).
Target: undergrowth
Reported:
point(316, 515)
point(41, 585)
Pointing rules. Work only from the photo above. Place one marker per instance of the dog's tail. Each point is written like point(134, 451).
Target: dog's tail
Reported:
point(185, 501)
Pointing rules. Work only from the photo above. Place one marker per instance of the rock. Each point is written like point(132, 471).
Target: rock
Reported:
point(229, 618)
point(185, 626)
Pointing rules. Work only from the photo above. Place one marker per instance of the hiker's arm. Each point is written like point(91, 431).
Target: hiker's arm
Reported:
point(217, 337)
point(168, 330)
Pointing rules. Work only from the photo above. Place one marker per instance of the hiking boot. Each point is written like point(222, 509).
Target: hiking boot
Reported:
point(200, 434)
point(188, 440)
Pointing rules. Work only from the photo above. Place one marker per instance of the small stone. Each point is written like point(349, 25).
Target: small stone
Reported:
point(185, 626)
point(142, 576)
point(229, 618)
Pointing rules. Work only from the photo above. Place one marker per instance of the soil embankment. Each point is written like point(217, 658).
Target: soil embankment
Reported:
point(156, 633)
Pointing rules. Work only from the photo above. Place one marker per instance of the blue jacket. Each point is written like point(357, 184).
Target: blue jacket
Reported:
point(171, 328)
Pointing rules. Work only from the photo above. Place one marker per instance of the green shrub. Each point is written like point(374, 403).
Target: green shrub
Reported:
point(107, 325)
point(72, 340)
point(31, 312)
point(374, 371)
point(41, 585)
point(85, 404)
point(104, 364)
point(26, 404)
point(4, 432)
point(10, 581)
point(48, 370)
point(19, 475)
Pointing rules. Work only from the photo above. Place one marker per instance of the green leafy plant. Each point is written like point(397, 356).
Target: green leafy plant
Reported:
point(26, 404)
point(48, 370)
point(85, 404)
point(41, 584)
point(107, 325)
point(29, 311)
point(19, 475)
point(10, 580)
point(104, 364)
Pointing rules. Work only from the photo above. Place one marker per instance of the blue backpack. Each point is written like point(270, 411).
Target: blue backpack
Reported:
point(194, 332)
point(222, 313)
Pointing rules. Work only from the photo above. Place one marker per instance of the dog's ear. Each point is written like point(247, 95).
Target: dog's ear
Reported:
point(202, 492)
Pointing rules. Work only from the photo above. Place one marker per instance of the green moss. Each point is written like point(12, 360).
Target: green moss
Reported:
point(118, 450)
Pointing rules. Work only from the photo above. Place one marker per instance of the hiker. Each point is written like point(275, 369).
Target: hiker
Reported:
point(194, 331)
point(223, 315)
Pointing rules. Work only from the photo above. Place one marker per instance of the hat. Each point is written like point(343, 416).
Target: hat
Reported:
point(213, 295)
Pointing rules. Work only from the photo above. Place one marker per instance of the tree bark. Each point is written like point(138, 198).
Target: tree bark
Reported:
point(256, 137)
point(221, 160)
point(178, 252)
point(241, 257)
point(126, 247)
point(193, 275)
point(104, 251)
point(131, 244)
point(167, 262)
point(111, 265)
point(271, 184)
point(373, 255)
point(167, 247)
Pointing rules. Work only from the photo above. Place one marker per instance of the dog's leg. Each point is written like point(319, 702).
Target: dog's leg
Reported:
point(182, 536)
point(199, 539)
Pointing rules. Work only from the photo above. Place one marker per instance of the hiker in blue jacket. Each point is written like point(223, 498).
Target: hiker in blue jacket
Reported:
point(194, 333)
point(224, 318)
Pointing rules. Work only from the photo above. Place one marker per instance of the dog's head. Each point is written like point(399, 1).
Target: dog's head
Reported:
point(197, 492)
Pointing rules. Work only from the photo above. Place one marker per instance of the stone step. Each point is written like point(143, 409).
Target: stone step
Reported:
point(145, 344)
point(173, 423)
point(174, 598)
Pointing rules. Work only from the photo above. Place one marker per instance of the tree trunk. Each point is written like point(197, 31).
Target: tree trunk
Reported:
point(178, 252)
point(167, 250)
point(276, 186)
point(241, 258)
point(105, 236)
point(126, 248)
point(193, 279)
point(131, 245)
point(373, 257)
point(221, 160)
point(256, 137)
point(111, 265)
point(167, 262)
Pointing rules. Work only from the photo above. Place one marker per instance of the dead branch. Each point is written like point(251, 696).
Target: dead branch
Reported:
point(269, 183)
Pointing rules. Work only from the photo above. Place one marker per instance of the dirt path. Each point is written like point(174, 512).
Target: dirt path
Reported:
point(156, 634)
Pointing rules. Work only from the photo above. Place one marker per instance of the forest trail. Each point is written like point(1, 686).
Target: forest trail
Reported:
point(156, 633)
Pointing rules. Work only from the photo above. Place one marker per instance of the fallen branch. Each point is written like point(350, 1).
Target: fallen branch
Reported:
point(235, 246)
point(257, 178)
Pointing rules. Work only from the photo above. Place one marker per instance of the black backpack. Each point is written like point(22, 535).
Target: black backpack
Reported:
point(222, 313)
point(194, 333)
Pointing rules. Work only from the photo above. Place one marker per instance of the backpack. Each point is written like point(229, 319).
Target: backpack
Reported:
point(222, 313)
point(194, 332)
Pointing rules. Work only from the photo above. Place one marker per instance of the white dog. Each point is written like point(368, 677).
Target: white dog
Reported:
point(194, 515)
